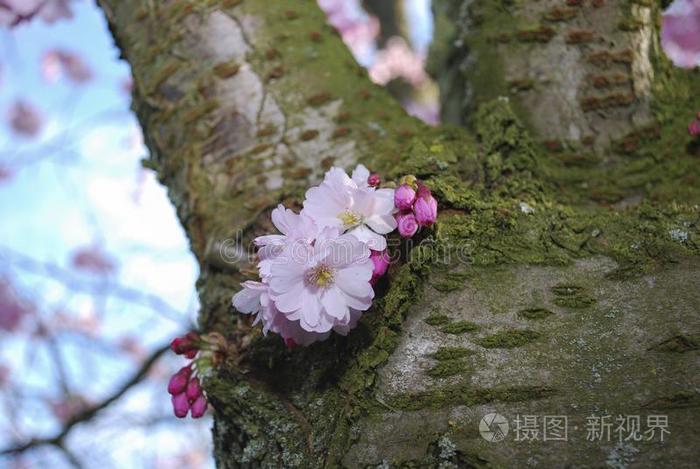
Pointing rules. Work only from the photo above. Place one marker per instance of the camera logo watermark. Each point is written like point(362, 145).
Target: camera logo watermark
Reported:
point(493, 428)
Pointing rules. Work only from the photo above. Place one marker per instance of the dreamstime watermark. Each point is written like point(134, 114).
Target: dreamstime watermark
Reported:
point(235, 251)
point(495, 428)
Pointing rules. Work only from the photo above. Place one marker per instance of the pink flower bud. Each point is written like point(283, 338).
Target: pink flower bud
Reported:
point(177, 345)
point(374, 180)
point(694, 128)
point(381, 264)
point(404, 196)
point(180, 405)
point(178, 382)
point(199, 407)
point(186, 345)
point(425, 210)
point(194, 390)
point(407, 224)
point(290, 343)
point(423, 191)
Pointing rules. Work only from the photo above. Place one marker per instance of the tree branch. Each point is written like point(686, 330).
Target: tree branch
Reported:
point(91, 412)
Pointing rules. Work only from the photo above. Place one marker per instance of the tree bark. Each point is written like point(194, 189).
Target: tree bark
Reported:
point(560, 279)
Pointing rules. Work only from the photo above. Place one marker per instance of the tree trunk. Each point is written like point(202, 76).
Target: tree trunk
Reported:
point(560, 280)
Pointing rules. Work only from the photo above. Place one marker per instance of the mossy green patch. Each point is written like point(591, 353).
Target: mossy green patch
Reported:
point(451, 282)
point(680, 400)
point(509, 339)
point(451, 353)
point(447, 368)
point(437, 318)
point(466, 395)
point(572, 296)
point(459, 327)
point(568, 290)
point(574, 302)
point(535, 313)
point(679, 344)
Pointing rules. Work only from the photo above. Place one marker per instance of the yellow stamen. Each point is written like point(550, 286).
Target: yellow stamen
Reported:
point(350, 219)
point(321, 276)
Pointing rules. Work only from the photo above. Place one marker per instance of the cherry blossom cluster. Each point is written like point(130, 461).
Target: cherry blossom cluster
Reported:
point(417, 206)
point(185, 386)
point(318, 275)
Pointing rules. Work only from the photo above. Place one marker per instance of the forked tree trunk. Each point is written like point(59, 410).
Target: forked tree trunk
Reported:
point(562, 278)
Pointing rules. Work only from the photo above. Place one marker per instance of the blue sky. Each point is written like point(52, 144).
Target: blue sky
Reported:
point(78, 184)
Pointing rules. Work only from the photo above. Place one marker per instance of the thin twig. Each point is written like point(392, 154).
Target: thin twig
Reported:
point(89, 413)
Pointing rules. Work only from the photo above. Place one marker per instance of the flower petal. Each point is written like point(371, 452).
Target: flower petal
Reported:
point(334, 303)
point(290, 300)
point(374, 241)
point(360, 175)
point(383, 224)
point(247, 301)
point(354, 280)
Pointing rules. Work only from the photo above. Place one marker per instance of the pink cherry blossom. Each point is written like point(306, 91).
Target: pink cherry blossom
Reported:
point(374, 180)
point(398, 60)
point(694, 126)
point(349, 204)
point(404, 196)
point(254, 299)
point(425, 210)
point(680, 33)
point(194, 390)
point(93, 259)
point(24, 119)
point(423, 191)
point(180, 405)
point(186, 345)
point(334, 289)
point(380, 259)
point(54, 10)
point(358, 30)
point(12, 308)
point(5, 174)
point(295, 228)
point(199, 407)
point(14, 12)
point(320, 284)
point(56, 62)
point(407, 223)
point(178, 382)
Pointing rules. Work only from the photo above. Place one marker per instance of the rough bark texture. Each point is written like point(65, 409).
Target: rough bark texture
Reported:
point(561, 278)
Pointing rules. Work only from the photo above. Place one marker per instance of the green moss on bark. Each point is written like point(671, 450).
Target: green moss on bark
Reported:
point(509, 339)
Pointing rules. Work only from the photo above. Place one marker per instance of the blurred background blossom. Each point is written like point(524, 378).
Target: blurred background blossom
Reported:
point(680, 34)
point(95, 272)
